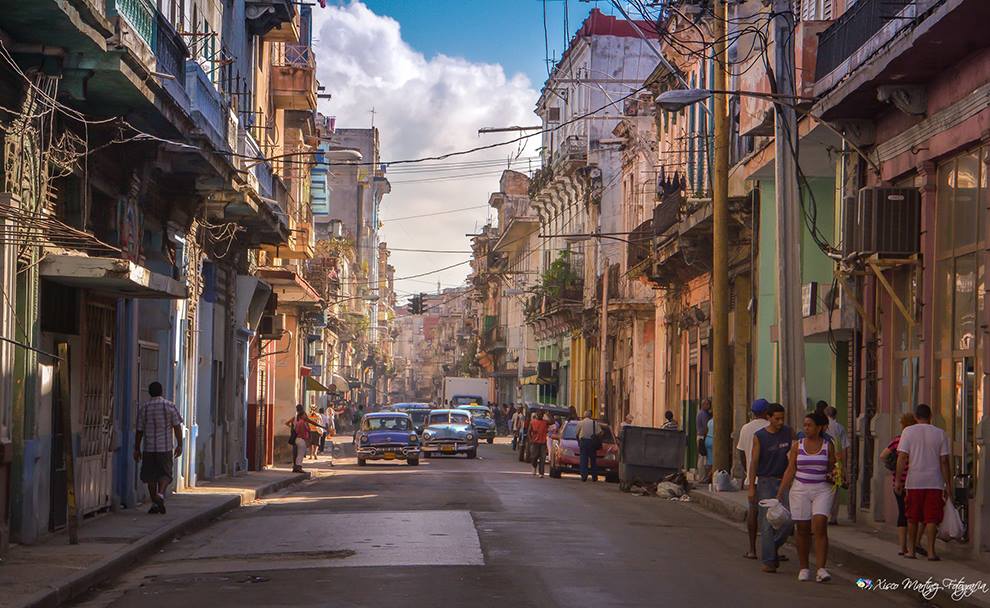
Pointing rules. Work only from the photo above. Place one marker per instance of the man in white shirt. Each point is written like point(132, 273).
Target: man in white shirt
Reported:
point(745, 447)
point(924, 453)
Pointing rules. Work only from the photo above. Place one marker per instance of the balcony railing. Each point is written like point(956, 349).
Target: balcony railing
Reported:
point(292, 56)
point(140, 14)
point(853, 29)
point(170, 50)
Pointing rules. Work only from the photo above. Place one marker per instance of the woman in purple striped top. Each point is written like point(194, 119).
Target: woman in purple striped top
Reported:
point(809, 477)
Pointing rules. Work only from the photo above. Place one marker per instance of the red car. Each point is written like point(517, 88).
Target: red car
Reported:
point(565, 455)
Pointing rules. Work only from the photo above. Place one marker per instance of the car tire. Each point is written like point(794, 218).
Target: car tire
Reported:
point(555, 472)
point(413, 462)
point(491, 440)
point(362, 462)
point(473, 453)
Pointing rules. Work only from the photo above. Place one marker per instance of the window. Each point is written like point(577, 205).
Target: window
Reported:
point(553, 115)
point(961, 199)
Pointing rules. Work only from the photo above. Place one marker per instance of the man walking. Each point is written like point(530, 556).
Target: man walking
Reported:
point(157, 421)
point(588, 434)
point(701, 430)
point(538, 442)
point(771, 446)
point(517, 427)
point(924, 453)
point(745, 448)
point(330, 429)
point(841, 440)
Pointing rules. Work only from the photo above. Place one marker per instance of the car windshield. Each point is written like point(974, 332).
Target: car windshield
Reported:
point(465, 400)
point(480, 412)
point(386, 423)
point(449, 417)
point(570, 432)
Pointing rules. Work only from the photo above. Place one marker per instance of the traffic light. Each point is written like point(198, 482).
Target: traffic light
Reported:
point(416, 304)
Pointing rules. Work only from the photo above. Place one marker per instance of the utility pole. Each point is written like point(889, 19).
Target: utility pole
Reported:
point(721, 382)
point(790, 329)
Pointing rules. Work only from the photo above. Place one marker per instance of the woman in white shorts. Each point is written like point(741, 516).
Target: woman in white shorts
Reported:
point(809, 477)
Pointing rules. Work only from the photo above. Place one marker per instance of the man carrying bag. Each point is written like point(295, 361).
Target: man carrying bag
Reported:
point(589, 436)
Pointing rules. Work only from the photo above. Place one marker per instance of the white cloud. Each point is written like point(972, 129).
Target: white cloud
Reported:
point(423, 107)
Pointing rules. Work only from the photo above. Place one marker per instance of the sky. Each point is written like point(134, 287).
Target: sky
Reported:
point(435, 71)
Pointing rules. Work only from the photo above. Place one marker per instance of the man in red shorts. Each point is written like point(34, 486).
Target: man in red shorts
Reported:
point(924, 453)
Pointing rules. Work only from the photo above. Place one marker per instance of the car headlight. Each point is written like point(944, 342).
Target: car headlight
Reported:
point(469, 436)
point(567, 452)
point(610, 456)
point(364, 437)
point(427, 435)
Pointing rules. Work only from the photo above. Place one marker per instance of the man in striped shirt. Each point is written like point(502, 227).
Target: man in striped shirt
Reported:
point(157, 421)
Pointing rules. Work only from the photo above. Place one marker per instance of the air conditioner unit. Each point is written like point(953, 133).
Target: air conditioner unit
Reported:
point(883, 221)
point(271, 327)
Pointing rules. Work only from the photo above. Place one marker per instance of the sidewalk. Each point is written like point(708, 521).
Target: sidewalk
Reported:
point(859, 548)
point(52, 572)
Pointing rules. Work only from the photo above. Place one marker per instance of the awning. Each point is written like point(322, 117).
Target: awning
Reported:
point(251, 298)
point(534, 379)
point(338, 382)
point(312, 384)
point(112, 276)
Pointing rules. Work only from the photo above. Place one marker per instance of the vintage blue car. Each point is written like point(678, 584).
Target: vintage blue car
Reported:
point(482, 421)
point(387, 436)
point(450, 432)
point(417, 411)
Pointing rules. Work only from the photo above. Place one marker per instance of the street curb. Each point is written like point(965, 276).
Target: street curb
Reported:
point(115, 565)
point(847, 557)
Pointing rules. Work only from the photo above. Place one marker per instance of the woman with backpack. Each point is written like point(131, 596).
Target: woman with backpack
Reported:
point(889, 459)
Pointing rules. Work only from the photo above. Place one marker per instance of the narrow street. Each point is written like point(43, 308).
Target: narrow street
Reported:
point(455, 532)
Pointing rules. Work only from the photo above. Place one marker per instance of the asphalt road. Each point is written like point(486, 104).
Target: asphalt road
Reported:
point(454, 532)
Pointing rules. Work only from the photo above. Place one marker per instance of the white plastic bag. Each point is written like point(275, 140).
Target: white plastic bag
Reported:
point(952, 526)
point(777, 513)
point(722, 482)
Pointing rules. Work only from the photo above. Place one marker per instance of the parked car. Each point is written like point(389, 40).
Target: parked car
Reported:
point(565, 454)
point(387, 436)
point(482, 421)
point(417, 411)
point(449, 432)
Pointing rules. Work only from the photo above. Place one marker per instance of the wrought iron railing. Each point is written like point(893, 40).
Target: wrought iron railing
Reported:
point(292, 55)
point(170, 50)
point(853, 29)
point(140, 14)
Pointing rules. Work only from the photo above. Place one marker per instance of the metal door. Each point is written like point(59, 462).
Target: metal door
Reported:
point(147, 373)
point(95, 470)
point(59, 480)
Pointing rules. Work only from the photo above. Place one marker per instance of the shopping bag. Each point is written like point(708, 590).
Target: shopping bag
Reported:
point(952, 526)
point(777, 513)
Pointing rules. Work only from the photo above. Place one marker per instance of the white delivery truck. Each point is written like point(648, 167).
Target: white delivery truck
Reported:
point(465, 391)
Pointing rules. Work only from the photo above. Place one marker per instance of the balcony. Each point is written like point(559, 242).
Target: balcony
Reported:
point(881, 44)
point(287, 31)
point(208, 108)
point(140, 15)
point(293, 77)
point(755, 114)
point(850, 32)
point(262, 16)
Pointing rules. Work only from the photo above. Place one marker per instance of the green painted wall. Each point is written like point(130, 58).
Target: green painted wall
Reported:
point(820, 362)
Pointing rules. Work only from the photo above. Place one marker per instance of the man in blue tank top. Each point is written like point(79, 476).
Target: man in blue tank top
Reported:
point(770, 449)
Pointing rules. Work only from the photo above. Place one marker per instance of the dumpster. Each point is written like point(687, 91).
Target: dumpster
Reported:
point(647, 455)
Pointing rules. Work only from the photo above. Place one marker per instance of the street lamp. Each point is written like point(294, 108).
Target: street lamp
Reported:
point(676, 100)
